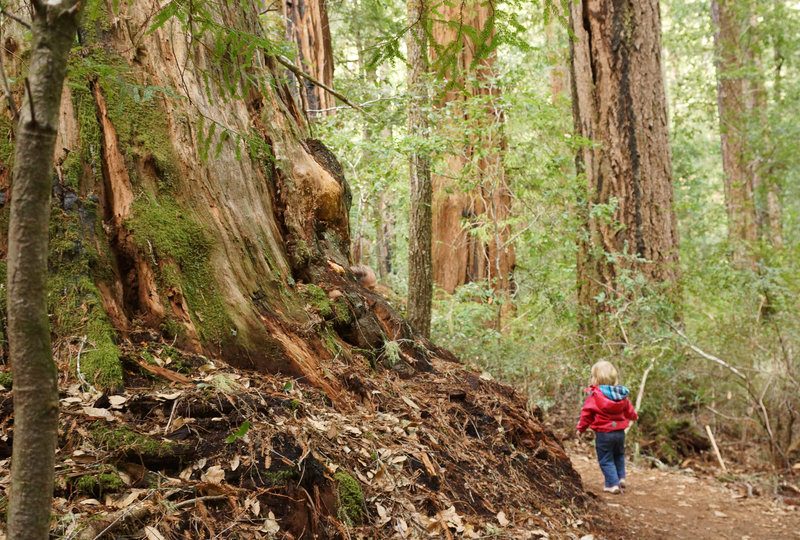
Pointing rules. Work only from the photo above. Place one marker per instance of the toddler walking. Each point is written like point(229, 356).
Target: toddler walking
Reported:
point(608, 411)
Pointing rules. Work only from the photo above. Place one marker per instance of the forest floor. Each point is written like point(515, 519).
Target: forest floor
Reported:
point(670, 504)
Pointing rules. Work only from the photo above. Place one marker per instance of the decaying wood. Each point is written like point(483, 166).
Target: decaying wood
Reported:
point(716, 448)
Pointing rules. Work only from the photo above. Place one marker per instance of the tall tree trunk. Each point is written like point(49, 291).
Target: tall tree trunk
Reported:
point(420, 284)
point(35, 376)
point(472, 193)
point(628, 219)
point(735, 100)
point(307, 26)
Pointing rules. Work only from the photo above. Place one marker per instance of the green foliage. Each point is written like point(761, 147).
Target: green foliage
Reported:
point(6, 380)
point(239, 433)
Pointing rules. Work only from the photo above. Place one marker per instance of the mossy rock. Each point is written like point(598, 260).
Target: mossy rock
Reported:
point(350, 498)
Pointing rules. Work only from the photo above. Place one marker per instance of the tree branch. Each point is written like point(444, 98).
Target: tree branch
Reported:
point(708, 356)
point(13, 17)
point(300, 73)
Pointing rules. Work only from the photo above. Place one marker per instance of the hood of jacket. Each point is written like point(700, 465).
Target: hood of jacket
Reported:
point(614, 393)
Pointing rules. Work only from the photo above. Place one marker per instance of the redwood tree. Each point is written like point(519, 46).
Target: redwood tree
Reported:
point(471, 193)
point(35, 377)
point(307, 26)
point(628, 219)
point(420, 285)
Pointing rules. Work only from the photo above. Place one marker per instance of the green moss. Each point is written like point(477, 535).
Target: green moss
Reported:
point(342, 310)
point(6, 143)
point(124, 438)
point(351, 499)
point(279, 478)
point(6, 380)
point(74, 301)
point(317, 297)
point(96, 485)
point(176, 238)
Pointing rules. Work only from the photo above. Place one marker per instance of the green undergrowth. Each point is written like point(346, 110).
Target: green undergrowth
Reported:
point(351, 499)
point(336, 309)
point(6, 380)
point(183, 248)
point(95, 484)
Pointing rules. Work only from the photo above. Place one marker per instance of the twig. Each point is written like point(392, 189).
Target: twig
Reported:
point(300, 73)
point(78, 367)
point(196, 500)
point(716, 448)
point(13, 17)
point(141, 511)
point(171, 415)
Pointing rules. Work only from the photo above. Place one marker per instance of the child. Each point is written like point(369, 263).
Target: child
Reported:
point(607, 411)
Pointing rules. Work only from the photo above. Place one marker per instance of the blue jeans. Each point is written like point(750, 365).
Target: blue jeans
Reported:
point(610, 449)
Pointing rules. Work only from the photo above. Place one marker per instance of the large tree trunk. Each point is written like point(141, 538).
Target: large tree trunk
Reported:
point(35, 376)
point(628, 220)
point(472, 192)
point(734, 100)
point(420, 284)
point(307, 26)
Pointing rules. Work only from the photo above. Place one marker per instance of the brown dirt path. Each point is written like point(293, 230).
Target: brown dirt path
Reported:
point(673, 505)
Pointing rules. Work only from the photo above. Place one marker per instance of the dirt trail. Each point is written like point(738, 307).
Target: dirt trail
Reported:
point(673, 505)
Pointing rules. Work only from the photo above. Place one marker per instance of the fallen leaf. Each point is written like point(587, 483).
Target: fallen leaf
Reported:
point(152, 533)
point(271, 525)
point(117, 401)
point(720, 514)
point(235, 463)
point(502, 520)
point(94, 412)
point(214, 474)
point(539, 533)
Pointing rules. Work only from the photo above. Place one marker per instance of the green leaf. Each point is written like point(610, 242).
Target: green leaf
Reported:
point(239, 433)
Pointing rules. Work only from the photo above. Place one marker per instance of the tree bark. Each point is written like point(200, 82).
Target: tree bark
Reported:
point(35, 377)
point(420, 284)
point(735, 94)
point(307, 26)
point(472, 192)
point(628, 219)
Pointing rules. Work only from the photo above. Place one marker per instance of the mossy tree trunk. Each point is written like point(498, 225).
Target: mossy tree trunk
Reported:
point(420, 272)
point(628, 219)
point(35, 388)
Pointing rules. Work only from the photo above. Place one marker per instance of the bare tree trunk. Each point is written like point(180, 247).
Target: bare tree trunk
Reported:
point(420, 284)
point(35, 376)
point(307, 26)
point(471, 189)
point(619, 103)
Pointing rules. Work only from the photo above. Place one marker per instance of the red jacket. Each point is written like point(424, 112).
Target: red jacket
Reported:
point(606, 409)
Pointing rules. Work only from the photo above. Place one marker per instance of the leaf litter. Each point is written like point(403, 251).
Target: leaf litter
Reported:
point(218, 452)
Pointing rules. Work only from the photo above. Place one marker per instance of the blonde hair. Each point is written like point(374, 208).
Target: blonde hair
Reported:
point(604, 373)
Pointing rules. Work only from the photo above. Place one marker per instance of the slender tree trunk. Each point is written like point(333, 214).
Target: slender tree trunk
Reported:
point(420, 284)
point(628, 219)
point(473, 186)
point(35, 376)
point(307, 26)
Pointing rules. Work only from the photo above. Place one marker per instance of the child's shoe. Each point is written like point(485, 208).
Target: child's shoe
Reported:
point(612, 489)
point(622, 482)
